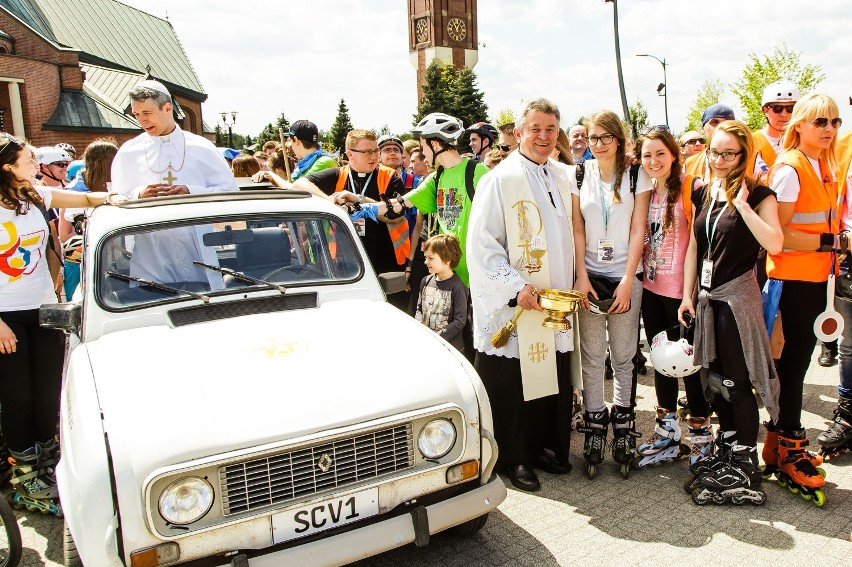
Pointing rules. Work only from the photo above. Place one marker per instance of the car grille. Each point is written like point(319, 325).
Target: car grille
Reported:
point(335, 464)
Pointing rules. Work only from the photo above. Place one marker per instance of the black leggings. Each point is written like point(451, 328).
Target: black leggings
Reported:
point(658, 314)
point(801, 303)
point(30, 380)
point(740, 414)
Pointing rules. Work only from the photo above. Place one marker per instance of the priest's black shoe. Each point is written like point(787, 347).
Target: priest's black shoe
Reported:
point(549, 463)
point(523, 477)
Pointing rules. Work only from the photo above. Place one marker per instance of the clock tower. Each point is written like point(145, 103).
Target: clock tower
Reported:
point(444, 30)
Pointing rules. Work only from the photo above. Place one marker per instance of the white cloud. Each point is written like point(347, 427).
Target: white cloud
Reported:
point(302, 56)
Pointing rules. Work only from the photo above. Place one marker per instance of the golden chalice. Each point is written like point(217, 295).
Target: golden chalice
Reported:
point(558, 304)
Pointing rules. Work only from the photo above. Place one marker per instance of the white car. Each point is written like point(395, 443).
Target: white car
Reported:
point(238, 392)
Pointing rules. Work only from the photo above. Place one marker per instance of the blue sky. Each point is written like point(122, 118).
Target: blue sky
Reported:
point(301, 57)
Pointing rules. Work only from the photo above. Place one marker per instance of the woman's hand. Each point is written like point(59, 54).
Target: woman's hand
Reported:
point(741, 200)
point(260, 176)
point(8, 340)
point(686, 306)
point(621, 296)
point(583, 285)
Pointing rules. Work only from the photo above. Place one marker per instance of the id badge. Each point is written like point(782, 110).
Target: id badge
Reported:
point(361, 227)
point(651, 271)
point(606, 250)
point(706, 273)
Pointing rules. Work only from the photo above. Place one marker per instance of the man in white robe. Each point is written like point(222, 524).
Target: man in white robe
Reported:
point(165, 161)
point(524, 206)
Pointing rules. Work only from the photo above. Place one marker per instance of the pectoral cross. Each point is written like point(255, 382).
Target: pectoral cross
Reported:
point(169, 178)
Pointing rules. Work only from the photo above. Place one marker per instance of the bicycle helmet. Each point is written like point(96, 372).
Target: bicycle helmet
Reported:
point(67, 147)
point(49, 155)
point(780, 91)
point(484, 129)
point(439, 126)
point(390, 139)
point(74, 168)
point(673, 358)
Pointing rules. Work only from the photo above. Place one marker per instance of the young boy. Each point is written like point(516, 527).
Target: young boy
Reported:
point(443, 300)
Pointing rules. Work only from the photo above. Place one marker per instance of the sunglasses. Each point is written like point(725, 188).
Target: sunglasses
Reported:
point(61, 164)
point(779, 108)
point(658, 128)
point(694, 141)
point(505, 148)
point(823, 122)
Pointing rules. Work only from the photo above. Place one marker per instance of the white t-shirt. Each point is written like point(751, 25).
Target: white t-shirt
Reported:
point(785, 182)
point(617, 229)
point(760, 166)
point(25, 281)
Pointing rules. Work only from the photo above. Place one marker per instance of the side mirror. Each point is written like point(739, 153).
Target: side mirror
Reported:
point(63, 316)
point(392, 282)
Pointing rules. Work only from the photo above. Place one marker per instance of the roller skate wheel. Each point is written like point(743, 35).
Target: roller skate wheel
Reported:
point(795, 490)
point(591, 471)
point(690, 484)
point(697, 499)
point(782, 482)
point(819, 498)
point(625, 470)
point(821, 471)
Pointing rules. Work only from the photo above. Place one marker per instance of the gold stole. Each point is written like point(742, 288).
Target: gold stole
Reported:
point(527, 247)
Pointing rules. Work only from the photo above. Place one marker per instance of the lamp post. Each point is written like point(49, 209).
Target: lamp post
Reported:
point(229, 125)
point(618, 59)
point(663, 86)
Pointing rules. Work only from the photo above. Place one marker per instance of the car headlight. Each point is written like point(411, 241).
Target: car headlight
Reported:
point(436, 438)
point(186, 500)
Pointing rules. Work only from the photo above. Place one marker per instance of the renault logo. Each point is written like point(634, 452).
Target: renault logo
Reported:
point(324, 462)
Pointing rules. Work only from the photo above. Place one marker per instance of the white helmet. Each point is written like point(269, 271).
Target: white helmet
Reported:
point(672, 358)
point(780, 91)
point(439, 126)
point(49, 155)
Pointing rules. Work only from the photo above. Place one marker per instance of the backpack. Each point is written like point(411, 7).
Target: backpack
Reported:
point(634, 175)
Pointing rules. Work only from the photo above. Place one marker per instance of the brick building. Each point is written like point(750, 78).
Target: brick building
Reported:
point(66, 67)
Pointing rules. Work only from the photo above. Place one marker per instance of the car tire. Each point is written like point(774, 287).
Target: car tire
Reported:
point(470, 527)
point(69, 550)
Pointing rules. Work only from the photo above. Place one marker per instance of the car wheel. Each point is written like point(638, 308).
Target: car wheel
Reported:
point(70, 556)
point(470, 527)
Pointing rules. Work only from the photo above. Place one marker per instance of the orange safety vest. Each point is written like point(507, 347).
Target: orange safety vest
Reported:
point(815, 212)
point(686, 198)
point(696, 164)
point(844, 158)
point(762, 147)
point(399, 231)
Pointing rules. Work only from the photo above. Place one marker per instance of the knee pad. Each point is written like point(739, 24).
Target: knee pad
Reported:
point(720, 384)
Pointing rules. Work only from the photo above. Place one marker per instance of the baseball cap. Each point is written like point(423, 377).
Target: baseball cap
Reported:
point(305, 130)
point(717, 111)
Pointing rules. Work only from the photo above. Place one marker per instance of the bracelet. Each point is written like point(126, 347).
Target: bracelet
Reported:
point(106, 198)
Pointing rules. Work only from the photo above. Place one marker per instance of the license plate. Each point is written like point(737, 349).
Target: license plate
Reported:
point(324, 515)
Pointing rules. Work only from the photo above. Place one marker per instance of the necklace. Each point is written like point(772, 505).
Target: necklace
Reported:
point(170, 168)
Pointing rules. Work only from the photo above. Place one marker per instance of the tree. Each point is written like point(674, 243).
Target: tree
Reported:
point(452, 92)
point(437, 91)
point(270, 131)
point(638, 118)
point(342, 126)
point(468, 102)
point(709, 94)
point(783, 63)
point(505, 116)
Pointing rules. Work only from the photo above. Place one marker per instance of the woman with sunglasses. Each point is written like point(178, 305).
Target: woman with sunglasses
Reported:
point(804, 178)
point(667, 231)
point(609, 213)
point(31, 357)
point(735, 217)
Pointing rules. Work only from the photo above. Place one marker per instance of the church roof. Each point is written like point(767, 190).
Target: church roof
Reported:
point(79, 110)
point(111, 34)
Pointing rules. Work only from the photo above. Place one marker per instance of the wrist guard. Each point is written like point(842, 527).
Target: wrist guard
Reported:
point(391, 214)
point(826, 242)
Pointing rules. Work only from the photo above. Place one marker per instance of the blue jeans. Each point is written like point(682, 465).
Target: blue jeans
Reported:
point(844, 307)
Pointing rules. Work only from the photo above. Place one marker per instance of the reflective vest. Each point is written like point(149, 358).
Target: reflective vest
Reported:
point(696, 164)
point(844, 157)
point(399, 231)
point(815, 212)
point(762, 147)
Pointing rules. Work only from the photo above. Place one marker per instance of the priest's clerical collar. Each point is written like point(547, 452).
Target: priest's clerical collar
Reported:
point(530, 160)
point(167, 137)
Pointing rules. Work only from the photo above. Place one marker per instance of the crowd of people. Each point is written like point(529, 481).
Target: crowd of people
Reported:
point(723, 243)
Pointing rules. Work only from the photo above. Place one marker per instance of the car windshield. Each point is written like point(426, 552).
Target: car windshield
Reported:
point(197, 260)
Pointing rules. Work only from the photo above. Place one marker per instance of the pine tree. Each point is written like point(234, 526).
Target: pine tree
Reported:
point(270, 131)
point(342, 125)
point(469, 105)
point(437, 91)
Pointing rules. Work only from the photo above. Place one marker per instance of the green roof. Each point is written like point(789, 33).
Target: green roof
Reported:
point(109, 33)
point(78, 110)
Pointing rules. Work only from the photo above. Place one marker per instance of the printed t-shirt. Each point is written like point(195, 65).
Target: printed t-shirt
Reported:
point(443, 307)
point(668, 249)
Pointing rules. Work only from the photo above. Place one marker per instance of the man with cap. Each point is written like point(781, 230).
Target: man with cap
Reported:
point(778, 101)
point(165, 161)
point(302, 141)
point(712, 117)
point(482, 138)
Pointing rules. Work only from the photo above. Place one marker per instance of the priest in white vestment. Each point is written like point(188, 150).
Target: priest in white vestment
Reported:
point(164, 161)
point(519, 242)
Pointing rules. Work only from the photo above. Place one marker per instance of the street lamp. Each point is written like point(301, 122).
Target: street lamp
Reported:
point(662, 89)
point(618, 59)
point(229, 125)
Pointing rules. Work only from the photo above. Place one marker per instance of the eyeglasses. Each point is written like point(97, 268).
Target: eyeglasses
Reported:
point(823, 122)
point(713, 155)
point(606, 139)
point(505, 148)
point(694, 141)
point(11, 142)
point(779, 108)
point(368, 153)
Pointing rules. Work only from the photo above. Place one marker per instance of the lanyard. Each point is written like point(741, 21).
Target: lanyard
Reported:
point(710, 235)
point(606, 206)
point(364, 186)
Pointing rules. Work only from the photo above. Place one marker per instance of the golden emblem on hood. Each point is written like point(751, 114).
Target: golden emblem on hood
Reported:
point(277, 348)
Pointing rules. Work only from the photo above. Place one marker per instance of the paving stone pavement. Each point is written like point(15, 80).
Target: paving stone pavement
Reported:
point(647, 518)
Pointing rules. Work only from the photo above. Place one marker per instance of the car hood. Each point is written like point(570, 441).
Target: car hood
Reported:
point(170, 395)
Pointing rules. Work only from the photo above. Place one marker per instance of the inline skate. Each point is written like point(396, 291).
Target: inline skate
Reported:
point(794, 468)
point(736, 481)
point(837, 439)
point(34, 480)
point(664, 445)
point(701, 439)
point(720, 455)
point(770, 454)
point(594, 447)
point(624, 438)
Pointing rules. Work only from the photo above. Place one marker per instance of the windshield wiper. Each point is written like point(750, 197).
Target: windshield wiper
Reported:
point(159, 286)
point(242, 276)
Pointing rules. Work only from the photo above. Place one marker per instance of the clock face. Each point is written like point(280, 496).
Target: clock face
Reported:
point(456, 29)
point(421, 32)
